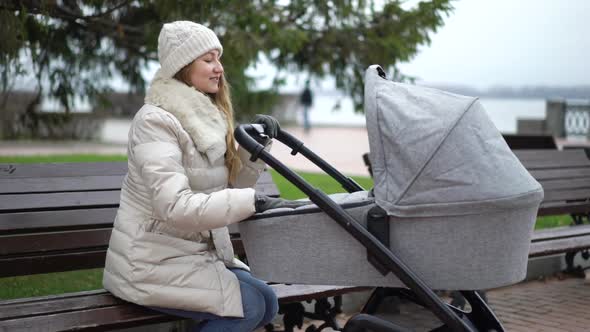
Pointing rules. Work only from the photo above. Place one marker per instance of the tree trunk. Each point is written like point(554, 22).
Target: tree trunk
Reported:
point(29, 120)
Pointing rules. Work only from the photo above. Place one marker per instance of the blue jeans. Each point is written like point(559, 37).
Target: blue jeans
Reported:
point(259, 302)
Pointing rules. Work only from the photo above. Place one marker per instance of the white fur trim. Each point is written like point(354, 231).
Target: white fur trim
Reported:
point(203, 121)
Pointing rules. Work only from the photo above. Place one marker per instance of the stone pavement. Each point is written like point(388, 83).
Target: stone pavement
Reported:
point(549, 305)
point(553, 304)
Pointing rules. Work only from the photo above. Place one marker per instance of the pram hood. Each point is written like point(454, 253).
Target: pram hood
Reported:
point(435, 153)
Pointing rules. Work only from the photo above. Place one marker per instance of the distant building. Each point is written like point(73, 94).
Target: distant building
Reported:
point(286, 108)
point(82, 123)
point(118, 104)
point(123, 105)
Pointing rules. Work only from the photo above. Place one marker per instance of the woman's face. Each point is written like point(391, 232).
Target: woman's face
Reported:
point(205, 72)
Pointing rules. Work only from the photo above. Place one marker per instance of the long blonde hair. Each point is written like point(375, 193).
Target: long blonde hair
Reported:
point(221, 99)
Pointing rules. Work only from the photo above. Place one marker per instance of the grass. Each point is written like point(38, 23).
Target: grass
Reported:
point(63, 282)
point(50, 283)
point(553, 221)
point(321, 181)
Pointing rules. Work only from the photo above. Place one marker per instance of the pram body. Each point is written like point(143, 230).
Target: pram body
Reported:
point(459, 206)
point(305, 246)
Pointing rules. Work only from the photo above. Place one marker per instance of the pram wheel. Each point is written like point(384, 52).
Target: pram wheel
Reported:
point(364, 322)
point(458, 301)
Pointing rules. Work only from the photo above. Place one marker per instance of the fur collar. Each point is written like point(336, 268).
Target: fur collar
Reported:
point(203, 121)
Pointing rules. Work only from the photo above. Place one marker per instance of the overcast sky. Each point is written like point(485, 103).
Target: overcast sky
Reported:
point(485, 43)
point(509, 42)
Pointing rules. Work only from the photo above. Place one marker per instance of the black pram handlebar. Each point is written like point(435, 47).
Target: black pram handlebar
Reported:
point(245, 136)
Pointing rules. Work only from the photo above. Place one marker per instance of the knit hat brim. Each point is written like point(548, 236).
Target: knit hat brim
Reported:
point(195, 46)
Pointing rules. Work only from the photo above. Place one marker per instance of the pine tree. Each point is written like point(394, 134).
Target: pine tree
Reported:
point(73, 48)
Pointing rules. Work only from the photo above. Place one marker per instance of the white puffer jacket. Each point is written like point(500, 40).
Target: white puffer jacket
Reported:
point(170, 245)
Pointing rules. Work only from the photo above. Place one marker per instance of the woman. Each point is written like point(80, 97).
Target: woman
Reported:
point(170, 247)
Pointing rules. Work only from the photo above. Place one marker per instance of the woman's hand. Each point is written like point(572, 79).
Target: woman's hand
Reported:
point(271, 125)
point(263, 203)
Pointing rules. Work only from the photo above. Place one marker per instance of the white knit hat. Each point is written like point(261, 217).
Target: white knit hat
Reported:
point(181, 42)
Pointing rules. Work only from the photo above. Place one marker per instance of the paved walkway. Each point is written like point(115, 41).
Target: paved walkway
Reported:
point(341, 147)
point(549, 305)
point(26, 148)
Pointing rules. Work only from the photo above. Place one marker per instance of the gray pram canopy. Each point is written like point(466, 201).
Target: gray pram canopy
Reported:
point(461, 207)
point(437, 154)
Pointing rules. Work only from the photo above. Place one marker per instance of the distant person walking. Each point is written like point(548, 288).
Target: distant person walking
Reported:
point(306, 101)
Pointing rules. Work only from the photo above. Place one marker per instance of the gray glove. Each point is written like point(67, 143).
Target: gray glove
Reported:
point(271, 124)
point(263, 203)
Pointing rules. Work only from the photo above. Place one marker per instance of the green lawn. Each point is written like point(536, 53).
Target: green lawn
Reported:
point(57, 283)
point(50, 283)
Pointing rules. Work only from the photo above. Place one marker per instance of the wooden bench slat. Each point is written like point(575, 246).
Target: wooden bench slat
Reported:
point(20, 222)
point(565, 184)
point(559, 246)
point(519, 141)
point(32, 202)
point(44, 170)
point(238, 247)
point(50, 304)
point(101, 298)
point(558, 208)
point(560, 232)
point(97, 319)
point(6, 303)
point(565, 195)
point(298, 293)
point(47, 193)
point(85, 310)
point(559, 156)
point(25, 244)
point(52, 262)
point(542, 175)
point(83, 258)
point(59, 184)
point(552, 164)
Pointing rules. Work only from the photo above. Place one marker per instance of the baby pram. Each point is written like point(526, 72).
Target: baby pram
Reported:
point(452, 208)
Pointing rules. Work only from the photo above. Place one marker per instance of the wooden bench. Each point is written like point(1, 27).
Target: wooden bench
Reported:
point(530, 142)
point(565, 177)
point(58, 217)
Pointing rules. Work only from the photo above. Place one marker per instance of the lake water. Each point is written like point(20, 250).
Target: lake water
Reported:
point(503, 112)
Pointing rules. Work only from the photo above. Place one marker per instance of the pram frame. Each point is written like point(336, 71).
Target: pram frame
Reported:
point(481, 317)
